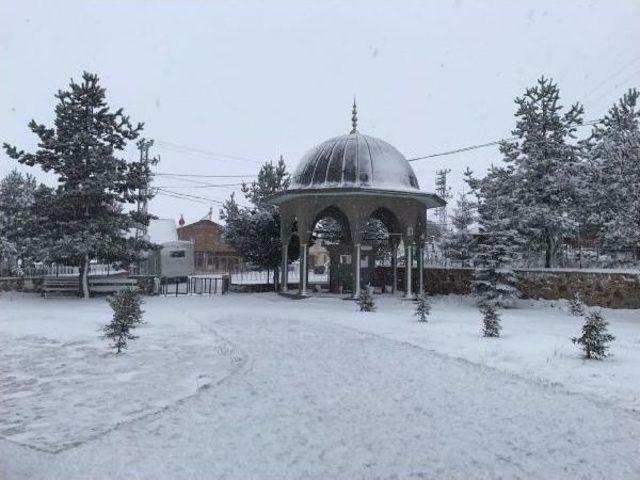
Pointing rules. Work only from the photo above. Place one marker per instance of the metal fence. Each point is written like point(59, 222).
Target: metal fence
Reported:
point(263, 277)
point(54, 270)
point(205, 285)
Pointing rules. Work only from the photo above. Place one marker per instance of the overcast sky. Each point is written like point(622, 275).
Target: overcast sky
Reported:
point(225, 86)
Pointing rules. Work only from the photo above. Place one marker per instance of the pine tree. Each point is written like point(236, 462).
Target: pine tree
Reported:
point(376, 234)
point(594, 337)
point(255, 231)
point(8, 255)
point(17, 196)
point(545, 162)
point(365, 300)
point(88, 220)
point(612, 188)
point(500, 243)
point(576, 307)
point(127, 315)
point(271, 179)
point(423, 309)
point(490, 320)
point(458, 243)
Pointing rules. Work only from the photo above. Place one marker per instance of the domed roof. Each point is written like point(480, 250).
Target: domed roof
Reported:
point(355, 161)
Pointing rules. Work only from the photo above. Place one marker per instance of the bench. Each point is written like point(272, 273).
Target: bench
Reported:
point(60, 285)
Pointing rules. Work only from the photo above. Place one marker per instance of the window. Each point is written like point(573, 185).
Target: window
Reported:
point(178, 254)
point(345, 259)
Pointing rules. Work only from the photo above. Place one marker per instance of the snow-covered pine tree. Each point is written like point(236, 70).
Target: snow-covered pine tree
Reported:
point(8, 256)
point(500, 244)
point(457, 243)
point(490, 320)
point(88, 219)
point(17, 195)
point(42, 235)
point(255, 231)
point(594, 338)
point(576, 306)
point(376, 234)
point(365, 300)
point(423, 308)
point(127, 315)
point(272, 178)
point(545, 160)
point(613, 187)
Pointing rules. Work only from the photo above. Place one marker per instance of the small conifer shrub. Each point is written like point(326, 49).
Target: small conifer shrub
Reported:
point(490, 320)
point(595, 337)
point(423, 309)
point(576, 307)
point(365, 300)
point(127, 315)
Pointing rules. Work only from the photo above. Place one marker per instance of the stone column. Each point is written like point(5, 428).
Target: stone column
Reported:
point(356, 272)
point(420, 253)
point(408, 267)
point(394, 266)
point(304, 249)
point(285, 268)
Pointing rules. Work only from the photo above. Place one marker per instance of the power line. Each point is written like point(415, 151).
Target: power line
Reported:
point(205, 153)
point(187, 195)
point(191, 196)
point(198, 183)
point(624, 67)
point(484, 145)
point(457, 150)
point(197, 197)
point(211, 185)
point(200, 175)
point(201, 202)
point(164, 194)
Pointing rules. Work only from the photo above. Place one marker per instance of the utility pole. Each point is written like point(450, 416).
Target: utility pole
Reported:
point(142, 203)
point(444, 191)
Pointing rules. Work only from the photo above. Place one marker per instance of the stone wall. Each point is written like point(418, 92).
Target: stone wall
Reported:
point(613, 289)
point(441, 281)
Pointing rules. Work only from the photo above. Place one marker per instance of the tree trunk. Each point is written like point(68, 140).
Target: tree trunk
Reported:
point(547, 256)
point(84, 277)
point(276, 271)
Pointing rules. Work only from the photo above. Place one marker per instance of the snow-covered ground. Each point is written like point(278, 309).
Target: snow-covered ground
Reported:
point(535, 342)
point(61, 386)
point(313, 389)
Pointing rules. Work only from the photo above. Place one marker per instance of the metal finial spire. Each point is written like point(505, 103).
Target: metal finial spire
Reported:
point(354, 117)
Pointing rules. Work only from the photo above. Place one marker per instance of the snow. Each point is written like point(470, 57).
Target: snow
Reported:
point(314, 389)
point(355, 160)
point(53, 360)
point(535, 343)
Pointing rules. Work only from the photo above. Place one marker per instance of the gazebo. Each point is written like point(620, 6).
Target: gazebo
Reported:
point(352, 179)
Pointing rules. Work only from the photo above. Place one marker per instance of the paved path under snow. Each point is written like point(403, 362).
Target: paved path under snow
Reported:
point(320, 401)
